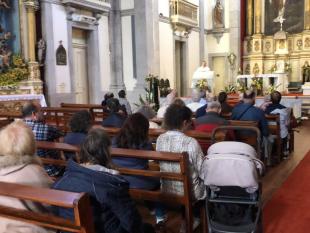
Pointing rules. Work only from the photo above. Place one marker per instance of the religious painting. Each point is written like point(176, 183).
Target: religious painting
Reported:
point(10, 23)
point(292, 11)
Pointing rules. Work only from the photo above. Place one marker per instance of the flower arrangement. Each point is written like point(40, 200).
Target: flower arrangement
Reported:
point(271, 89)
point(257, 84)
point(241, 86)
point(202, 85)
point(17, 72)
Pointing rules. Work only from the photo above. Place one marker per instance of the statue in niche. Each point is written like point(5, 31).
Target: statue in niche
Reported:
point(306, 72)
point(41, 51)
point(218, 15)
point(4, 4)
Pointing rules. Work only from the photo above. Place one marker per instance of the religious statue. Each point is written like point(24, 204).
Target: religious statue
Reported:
point(41, 51)
point(306, 72)
point(4, 4)
point(218, 15)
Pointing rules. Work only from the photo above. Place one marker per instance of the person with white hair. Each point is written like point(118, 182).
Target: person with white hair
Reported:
point(19, 164)
point(169, 100)
point(196, 97)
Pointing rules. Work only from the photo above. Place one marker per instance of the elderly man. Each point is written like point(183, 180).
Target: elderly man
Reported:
point(212, 116)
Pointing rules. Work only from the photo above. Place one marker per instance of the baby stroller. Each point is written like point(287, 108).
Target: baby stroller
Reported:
point(231, 171)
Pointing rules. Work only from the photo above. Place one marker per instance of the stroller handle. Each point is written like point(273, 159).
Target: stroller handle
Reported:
point(235, 127)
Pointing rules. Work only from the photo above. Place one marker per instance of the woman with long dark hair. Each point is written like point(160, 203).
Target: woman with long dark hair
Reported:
point(134, 135)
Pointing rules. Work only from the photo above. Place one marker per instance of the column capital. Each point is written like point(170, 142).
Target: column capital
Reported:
point(32, 5)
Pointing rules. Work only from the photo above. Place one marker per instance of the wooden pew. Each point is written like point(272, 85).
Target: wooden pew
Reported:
point(78, 202)
point(96, 110)
point(274, 129)
point(59, 117)
point(139, 194)
point(201, 137)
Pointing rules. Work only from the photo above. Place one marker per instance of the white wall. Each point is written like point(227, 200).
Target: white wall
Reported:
point(127, 4)
point(166, 52)
point(128, 72)
point(193, 54)
point(62, 73)
point(104, 53)
point(163, 7)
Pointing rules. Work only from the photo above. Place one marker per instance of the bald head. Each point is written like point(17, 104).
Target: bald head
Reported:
point(214, 106)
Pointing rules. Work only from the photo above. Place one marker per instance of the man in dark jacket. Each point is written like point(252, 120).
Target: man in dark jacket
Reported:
point(212, 115)
point(275, 102)
point(115, 118)
point(246, 111)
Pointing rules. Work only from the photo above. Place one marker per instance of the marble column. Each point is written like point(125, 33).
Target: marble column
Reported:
point(249, 17)
point(202, 30)
point(307, 15)
point(31, 7)
point(115, 27)
point(144, 30)
point(258, 16)
point(234, 35)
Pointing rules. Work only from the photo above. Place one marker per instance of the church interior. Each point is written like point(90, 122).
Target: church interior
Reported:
point(154, 116)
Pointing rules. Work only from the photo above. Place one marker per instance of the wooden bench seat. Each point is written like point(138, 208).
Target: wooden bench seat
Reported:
point(78, 202)
point(139, 194)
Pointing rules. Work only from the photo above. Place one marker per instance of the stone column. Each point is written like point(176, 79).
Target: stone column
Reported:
point(234, 35)
point(202, 29)
point(115, 27)
point(31, 7)
point(258, 16)
point(307, 15)
point(144, 30)
point(249, 17)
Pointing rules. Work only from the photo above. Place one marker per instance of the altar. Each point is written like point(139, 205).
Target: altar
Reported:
point(278, 80)
point(12, 104)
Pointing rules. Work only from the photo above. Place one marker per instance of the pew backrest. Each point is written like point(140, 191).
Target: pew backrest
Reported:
point(78, 202)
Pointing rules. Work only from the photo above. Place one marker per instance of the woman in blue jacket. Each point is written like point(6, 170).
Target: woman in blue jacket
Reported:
point(113, 209)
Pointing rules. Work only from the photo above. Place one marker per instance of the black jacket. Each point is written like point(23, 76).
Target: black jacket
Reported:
point(113, 209)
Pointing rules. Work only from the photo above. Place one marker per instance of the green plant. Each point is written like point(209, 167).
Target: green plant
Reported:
point(151, 93)
point(271, 89)
point(241, 86)
point(230, 89)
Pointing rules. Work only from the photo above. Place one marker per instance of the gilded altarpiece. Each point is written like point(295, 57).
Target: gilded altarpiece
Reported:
point(18, 39)
point(266, 43)
point(19, 70)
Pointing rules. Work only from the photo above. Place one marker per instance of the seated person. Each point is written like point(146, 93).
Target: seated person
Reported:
point(107, 96)
point(169, 100)
point(19, 164)
point(134, 135)
point(246, 111)
point(176, 120)
point(116, 117)
point(79, 124)
point(149, 113)
point(276, 108)
point(124, 102)
point(275, 98)
point(225, 107)
point(34, 118)
point(210, 121)
point(113, 209)
point(195, 104)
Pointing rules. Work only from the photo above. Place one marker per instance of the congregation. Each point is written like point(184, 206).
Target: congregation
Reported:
point(96, 173)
